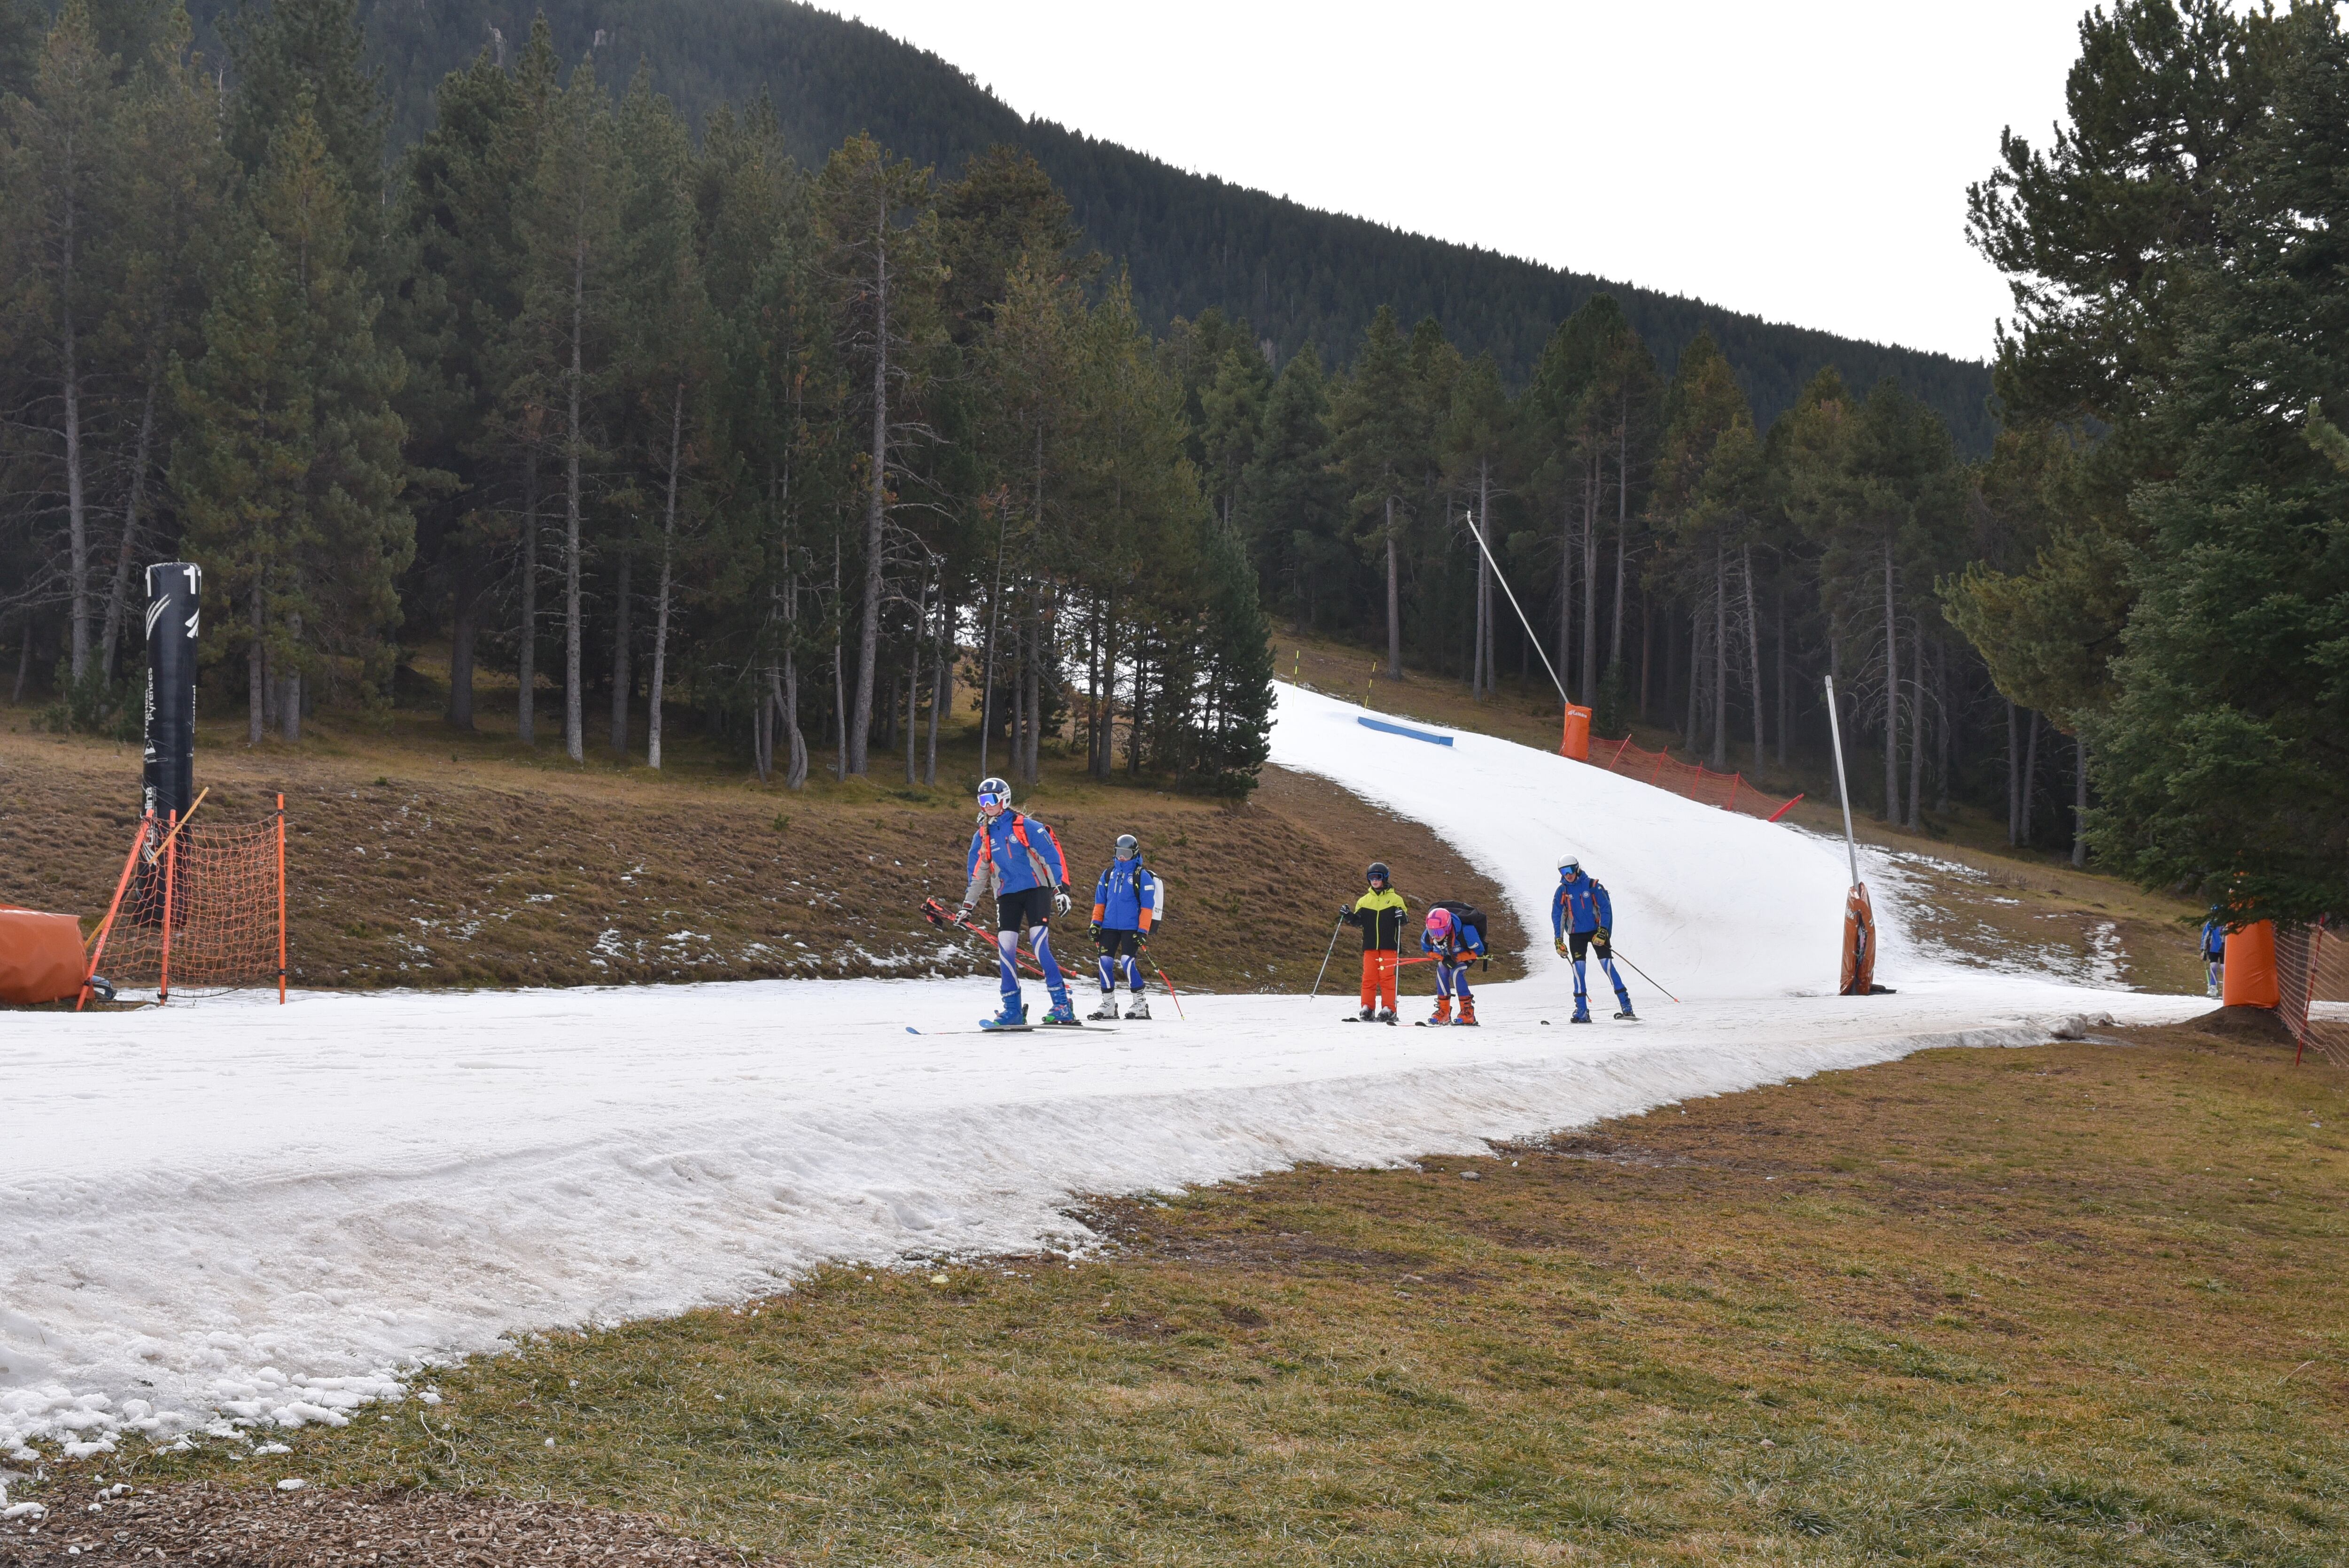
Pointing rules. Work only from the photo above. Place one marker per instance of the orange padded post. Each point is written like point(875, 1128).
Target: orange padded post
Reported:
point(1576, 742)
point(2250, 980)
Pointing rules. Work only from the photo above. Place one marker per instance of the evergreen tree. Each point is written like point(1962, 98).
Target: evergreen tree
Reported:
point(290, 472)
point(1476, 440)
point(1379, 440)
point(1289, 500)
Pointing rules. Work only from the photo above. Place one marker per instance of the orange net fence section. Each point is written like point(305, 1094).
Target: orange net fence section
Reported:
point(2312, 986)
point(201, 908)
point(1730, 791)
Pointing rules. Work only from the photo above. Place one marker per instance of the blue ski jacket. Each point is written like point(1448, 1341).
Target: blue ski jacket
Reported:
point(1126, 897)
point(1465, 944)
point(1581, 904)
point(2214, 940)
point(1014, 852)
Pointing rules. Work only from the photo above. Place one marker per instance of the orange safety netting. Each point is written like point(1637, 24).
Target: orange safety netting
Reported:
point(202, 907)
point(2312, 970)
point(1730, 791)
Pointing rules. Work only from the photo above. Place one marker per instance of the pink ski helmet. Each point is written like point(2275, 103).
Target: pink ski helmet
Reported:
point(1439, 922)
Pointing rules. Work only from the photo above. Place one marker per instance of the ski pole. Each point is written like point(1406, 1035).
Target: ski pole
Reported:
point(1325, 955)
point(1170, 990)
point(1618, 953)
point(936, 913)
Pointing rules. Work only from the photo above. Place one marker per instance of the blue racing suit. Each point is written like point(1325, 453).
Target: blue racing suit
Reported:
point(1125, 901)
point(1582, 917)
point(1454, 952)
point(1019, 858)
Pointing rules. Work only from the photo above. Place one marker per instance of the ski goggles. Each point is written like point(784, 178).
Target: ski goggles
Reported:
point(988, 800)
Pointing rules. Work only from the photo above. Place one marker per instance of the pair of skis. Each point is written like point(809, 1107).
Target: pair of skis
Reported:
point(938, 914)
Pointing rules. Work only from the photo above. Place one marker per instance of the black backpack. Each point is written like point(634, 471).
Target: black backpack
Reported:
point(1468, 916)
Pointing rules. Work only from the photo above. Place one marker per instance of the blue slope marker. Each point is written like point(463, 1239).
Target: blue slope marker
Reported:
point(1405, 729)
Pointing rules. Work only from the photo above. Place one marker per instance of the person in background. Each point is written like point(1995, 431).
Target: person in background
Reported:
point(1379, 915)
point(2214, 951)
point(1125, 901)
point(1581, 920)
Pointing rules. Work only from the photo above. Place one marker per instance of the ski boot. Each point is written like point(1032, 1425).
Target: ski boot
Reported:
point(1063, 1016)
point(1628, 1016)
point(1442, 1016)
point(1107, 1012)
point(1367, 1015)
point(1467, 1012)
point(1581, 1012)
point(1386, 1016)
point(1138, 1006)
point(1013, 1017)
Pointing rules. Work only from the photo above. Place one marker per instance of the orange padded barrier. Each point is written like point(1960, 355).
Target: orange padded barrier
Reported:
point(2250, 966)
point(40, 955)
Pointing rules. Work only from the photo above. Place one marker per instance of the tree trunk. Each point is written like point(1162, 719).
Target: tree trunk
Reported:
point(660, 604)
point(1647, 651)
point(1016, 736)
point(795, 777)
point(526, 654)
point(838, 673)
point(1753, 649)
point(763, 737)
point(76, 513)
point(1622, 528)
point(575, 718)
point(1590, 611)
point(914, 682)
point(1394, 603)
point(1564, 593)
point(1891, 695)
point(24, 657)
point(256, 673)
point(624, 679)
point(141, 459)
point(1785, 695)
point(942, 698)
point(2014, 777)
point(464, 626)
point(1720, 658)
point(1917, 721)
point(290, 704)
point(877, 499)
point(1944, 733)
point(2029, 774)
point(1038, 635)
point(2080, 801)
point(1696, 654)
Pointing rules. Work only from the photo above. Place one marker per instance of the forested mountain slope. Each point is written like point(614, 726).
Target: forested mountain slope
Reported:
point(1190, 241)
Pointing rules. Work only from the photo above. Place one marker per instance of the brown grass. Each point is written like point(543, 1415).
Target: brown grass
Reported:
point(410, 864)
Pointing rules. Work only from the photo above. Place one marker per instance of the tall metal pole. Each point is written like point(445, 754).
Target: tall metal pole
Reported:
point(1843, 789)
point(1528, 626)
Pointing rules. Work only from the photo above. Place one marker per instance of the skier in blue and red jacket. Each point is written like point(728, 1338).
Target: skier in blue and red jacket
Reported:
point(1454, 943)
point(1125, 901)
point(1581, 919)
point(1018, 859)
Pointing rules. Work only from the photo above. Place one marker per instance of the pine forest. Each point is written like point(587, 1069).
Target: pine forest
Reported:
point(657, 412)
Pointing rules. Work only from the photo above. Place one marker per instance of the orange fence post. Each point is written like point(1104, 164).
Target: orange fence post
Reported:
point(281, 900)
point(105, 926)
point(1784, 810)
point(1734, 780)
point(170, 870)
point(1619, 754)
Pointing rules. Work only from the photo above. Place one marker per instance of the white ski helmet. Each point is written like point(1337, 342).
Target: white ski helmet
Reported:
point(994, 792)
point(1568, 864)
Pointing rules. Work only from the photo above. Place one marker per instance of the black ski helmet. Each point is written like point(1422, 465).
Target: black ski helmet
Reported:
point(1129, 848)
point(1378, 873)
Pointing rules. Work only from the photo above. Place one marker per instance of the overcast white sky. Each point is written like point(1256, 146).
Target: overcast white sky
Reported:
point(1805, 160)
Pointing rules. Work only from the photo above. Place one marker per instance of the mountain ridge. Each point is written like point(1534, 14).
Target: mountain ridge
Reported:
point(1190, 241)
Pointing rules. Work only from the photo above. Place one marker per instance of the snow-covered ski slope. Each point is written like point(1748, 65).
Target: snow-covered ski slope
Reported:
point(230, 1212)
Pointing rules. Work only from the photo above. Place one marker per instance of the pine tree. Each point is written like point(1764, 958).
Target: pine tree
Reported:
point(573, 253)
point(1379, 441)
point(290, 472)
point(1476, 440)
point(1290, 505)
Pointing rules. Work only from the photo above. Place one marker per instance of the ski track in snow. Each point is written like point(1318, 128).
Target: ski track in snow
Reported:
point(229, 1216)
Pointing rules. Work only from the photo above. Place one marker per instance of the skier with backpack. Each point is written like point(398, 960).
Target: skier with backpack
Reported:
point(1125, 901)
point(1017, 857)
point(1454, 934)
point(1581, 920)
point(1379, 915)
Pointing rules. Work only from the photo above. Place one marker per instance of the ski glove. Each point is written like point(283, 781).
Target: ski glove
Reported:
point(1096, 930)
point(1601, 935)
point(1061, 900)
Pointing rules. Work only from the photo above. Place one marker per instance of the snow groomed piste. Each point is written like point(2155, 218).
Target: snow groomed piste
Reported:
point(228, 1214)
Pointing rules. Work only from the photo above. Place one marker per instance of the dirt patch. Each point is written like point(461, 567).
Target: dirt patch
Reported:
point(201, 1525)
point(405, 871)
